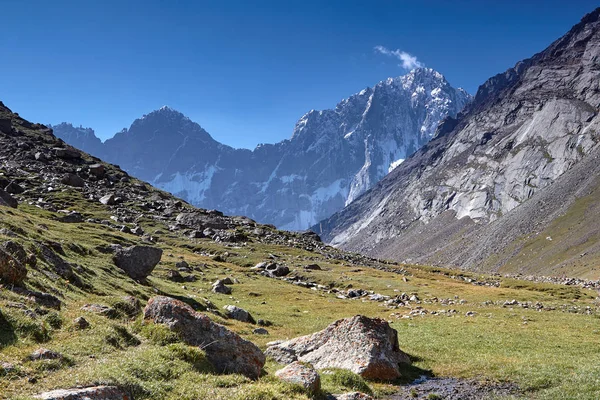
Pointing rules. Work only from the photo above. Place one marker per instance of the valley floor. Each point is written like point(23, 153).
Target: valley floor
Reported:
point(523, 339)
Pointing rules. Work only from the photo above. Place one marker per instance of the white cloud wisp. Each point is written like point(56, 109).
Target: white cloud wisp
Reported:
point(408, 60)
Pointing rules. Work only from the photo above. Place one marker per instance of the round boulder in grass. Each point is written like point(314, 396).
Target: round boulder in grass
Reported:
point(137, 261)
point(302, 374)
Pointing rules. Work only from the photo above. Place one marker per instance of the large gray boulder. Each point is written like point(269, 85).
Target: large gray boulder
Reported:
point(368, 347)
point(137, 261)
point(225, 349)
point(89, 393)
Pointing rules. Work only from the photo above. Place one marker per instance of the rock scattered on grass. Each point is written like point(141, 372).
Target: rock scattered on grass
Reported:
point(302, 374)
point(137, 261)
point(44, 354)
point(225, 349)
point(7, 200)
point(238, 314)
point(365, 346)
point(219, 287)
point(90, 393)
point(81, 323)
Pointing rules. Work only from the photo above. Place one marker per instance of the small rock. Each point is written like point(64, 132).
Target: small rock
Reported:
point(260, 331)
point(302, 374)
point(108, 200)
point(101, 309)
point(90, 393)
point(71, 217)
point(7, 368)
point(66, 153)
point(238, 314)
point(313, 267)
point(277, 270)
point(44, 354)
point(174, 276)
point(196, 235)
point(81, 323)
point(7, 200)
point(74, 180)
point(352, 396)
point(219, 287)
point(97, 170)
point(14, 188)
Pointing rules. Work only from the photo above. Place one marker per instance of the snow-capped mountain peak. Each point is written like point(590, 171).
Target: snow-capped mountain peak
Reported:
point(332, 157)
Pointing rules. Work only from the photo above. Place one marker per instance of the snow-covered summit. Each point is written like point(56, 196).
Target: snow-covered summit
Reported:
point(332, 157)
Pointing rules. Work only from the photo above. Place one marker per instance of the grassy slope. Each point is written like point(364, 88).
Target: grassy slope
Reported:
point(550, 354)
point(568, 246)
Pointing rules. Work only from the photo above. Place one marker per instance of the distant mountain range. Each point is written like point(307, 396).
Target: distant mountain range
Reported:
point(511, 185)
point(332, 157)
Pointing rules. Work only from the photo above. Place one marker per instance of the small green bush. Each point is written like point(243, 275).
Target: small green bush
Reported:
point(158, 334)
point(343, 380)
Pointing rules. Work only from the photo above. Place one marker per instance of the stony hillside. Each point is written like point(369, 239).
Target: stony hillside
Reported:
point(332, 157)
point(112, 289)
point(502, 187)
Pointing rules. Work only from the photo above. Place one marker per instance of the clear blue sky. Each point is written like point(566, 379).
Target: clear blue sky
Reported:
point(247, 70)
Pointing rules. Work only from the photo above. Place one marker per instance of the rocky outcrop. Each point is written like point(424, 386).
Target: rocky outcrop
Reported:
point(89, 393)
point(368, 347)
point(302, 374)
point(225, 349)
point(137, 261)
point(526, 129)
point(331, 158)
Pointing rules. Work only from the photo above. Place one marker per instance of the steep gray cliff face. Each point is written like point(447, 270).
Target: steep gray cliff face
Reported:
point(524, 130)
point(332, 157)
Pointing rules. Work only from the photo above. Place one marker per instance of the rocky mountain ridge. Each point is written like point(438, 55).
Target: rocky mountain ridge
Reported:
point(470, 196)
point(332, 157)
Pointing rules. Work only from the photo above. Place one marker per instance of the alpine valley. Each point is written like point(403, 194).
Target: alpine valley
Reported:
point(332, 157)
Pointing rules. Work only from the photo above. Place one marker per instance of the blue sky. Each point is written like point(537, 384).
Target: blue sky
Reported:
point(247, 70)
